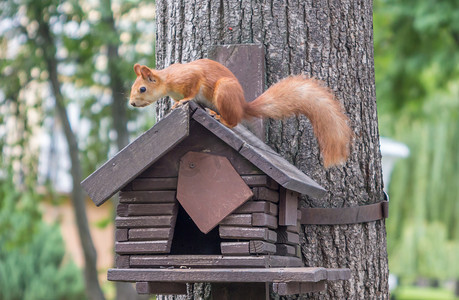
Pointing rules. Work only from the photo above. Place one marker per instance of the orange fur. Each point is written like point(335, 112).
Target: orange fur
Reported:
point(213, 85)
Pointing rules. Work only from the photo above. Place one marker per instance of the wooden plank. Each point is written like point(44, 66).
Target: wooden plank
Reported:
point(218, 129)
point(160, 288)
point(237, 220)
point(213, 261)
point(287, 237)
point(276, 167)
point(121, 235)
point(292, 288)
point(154, 184)
point(304, 274)
point(151, 209)
point(144, 221)
point(288, 207)
point(338, 274)
point(262, 193)
point(137, 156)
point(240, 291)
point(283, 249)
point(122, 261)
point(261, 219)
point(247, 62)
point(258, 207)
point(295, 229)
point(147, 197)
point(144, 247)
point(243, 233)
point(261, 247)
point(122, 210)
point(235, 248)
point(343, 215)
point(150, 234)
point(260, 181)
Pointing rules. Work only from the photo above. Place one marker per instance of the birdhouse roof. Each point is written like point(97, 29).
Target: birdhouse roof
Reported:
point(170, 131)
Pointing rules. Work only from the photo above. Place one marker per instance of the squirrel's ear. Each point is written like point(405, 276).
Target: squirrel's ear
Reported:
point(145, 71)
point(149, 74)
point(137, 69)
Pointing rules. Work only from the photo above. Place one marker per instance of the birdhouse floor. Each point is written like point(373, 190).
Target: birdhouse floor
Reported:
point(285, 280)
point(212, 261)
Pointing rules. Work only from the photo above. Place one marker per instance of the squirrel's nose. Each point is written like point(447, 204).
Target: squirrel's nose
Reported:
point(133, 104)
point(143, 89)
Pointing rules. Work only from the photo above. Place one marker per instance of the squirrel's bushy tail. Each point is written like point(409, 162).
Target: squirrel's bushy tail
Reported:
point(301, 95)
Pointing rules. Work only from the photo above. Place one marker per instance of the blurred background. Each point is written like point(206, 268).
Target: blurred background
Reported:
point(68, 65)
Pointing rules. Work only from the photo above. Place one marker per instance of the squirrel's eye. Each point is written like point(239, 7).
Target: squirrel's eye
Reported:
point(143, 89)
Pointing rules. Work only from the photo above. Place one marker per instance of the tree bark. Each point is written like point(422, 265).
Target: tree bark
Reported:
point(93, 289)
point(332, 41)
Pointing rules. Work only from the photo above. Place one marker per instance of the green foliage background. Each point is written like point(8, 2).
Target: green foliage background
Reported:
point(32, 253)
point(417, 85)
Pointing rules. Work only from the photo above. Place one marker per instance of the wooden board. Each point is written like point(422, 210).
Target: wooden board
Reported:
point(288, 207)
point(264, 220)
point(282, 249)
point(247, 62)
point(121, 235)
point(275, 166)
point(154, 184)
point(160, 288)
point(122, 261)
point(209, 189)
point(235, 248)
point(156, 209)
point(258, 207)
point(262, 193)
point(213, 261)
point(344, 215)
point(150, 234)
point(304, 274)
point(143, 247)
point(243, 233)
point(292, 288)
point(237, 220)
point(240, 291)
point(287, 237)
point(147, 197)
point(261, 247)
point(144, 221)
point(137, 156)
point(260, 181)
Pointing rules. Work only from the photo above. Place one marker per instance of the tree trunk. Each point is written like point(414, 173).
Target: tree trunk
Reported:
point(332, 41)
point(93, 289)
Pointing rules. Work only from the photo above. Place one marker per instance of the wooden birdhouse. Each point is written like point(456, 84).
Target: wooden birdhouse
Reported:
point(200, 202)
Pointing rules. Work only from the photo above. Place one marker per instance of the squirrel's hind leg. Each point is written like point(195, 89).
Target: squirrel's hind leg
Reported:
point(229, 101)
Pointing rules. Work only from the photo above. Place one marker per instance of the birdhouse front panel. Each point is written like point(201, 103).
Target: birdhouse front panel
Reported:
point(152, 225)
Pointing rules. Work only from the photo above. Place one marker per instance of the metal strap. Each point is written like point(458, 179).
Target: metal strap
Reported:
point(345, 215)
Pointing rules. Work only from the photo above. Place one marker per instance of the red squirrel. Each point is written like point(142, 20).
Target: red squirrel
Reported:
point(215, 86)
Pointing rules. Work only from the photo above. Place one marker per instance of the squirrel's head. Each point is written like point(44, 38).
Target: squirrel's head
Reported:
point(147, 88)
